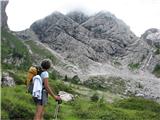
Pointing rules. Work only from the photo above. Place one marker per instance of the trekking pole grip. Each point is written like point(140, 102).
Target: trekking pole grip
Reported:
point(60, 100)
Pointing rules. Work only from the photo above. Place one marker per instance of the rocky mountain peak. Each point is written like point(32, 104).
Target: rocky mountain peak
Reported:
point(97, 38)
point(4, 17)
point(78, 16)
point(105, 14)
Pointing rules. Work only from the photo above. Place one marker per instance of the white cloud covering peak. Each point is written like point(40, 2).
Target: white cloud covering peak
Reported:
point(140, 15)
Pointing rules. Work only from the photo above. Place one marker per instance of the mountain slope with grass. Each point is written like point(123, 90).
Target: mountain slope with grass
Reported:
point(100, 45)
point(105, 83)
point(92, 102)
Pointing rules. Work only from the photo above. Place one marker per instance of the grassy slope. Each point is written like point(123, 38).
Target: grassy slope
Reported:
point(11, 47)
point(18, 104)
point(41, 52)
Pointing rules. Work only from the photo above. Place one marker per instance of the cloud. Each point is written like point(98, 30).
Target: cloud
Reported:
point(138, 14)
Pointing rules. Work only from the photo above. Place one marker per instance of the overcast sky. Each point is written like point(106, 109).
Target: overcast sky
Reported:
point(140, 15)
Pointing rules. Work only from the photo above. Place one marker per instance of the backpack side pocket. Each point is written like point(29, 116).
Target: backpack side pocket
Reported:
point(30, 88)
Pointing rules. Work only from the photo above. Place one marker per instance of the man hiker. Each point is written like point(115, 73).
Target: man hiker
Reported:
point(45, 64)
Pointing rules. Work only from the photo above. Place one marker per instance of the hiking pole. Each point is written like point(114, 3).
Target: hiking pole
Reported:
point(57, 109)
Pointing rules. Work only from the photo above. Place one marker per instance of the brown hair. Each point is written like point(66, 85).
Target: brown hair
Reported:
point(46, 64)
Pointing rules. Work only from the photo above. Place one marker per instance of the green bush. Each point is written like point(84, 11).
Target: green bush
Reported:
point(134, 66)
point(156, 70)
point(157, 52)
point(112, 84)
point(95, 97)
point(15, 49)
point(75, 79)
point(139, 104)
point(59, 85)
point(4, 115)
point(54, 75)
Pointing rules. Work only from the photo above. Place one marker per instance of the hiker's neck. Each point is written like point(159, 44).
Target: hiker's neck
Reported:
point(44, 69)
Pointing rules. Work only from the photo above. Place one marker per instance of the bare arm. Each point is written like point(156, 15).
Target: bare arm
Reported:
point(47, 87)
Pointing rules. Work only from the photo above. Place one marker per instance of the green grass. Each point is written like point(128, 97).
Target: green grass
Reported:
point(134, 66)
point(111, 84)
point(16, 103)
point(139, 104)
point(101, 110)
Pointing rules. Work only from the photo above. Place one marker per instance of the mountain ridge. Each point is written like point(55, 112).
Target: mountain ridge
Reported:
point(100, 45)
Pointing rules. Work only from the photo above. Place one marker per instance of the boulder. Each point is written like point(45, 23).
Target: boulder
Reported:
point(66, 96)
point(7, 80)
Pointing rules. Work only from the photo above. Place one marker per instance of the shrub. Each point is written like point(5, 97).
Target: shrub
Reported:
point(14, 50)
point(4, 115)
point(95, 97)
point(75, 79)
point(59, 85)
point(54, 75)
point(112, 84)
point(139, 104)
point(157, 52)
point(156, 70)
point(134, 66)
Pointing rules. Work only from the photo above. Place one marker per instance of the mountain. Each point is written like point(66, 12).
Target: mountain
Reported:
point(3, 13)
point(100, 47)
point(96, 58)
point(100, 38)
point(78, 16)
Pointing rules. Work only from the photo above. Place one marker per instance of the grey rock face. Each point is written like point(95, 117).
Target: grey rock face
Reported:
point(98, 38)
point(105, 25)
point(152, 37)
point(7, 80)
point(78, 16)
point(4, 17)
point(94, 44)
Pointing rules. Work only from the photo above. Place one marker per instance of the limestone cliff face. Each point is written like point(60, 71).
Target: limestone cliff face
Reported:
point(3, 14)
point(152, 37)
point(98, 38)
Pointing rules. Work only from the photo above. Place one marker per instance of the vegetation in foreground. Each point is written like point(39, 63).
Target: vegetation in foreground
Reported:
point(17, 104)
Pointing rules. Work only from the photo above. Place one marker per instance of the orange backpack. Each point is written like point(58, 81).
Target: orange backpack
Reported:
point(33, 71)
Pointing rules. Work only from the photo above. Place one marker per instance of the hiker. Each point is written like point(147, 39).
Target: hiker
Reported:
point(45, 64)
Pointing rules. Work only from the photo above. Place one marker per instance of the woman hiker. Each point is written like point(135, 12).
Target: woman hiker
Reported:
point(45, 64)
